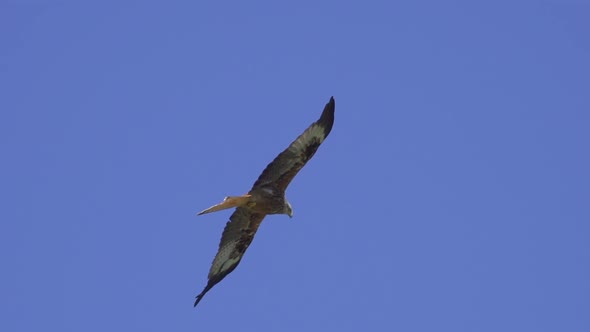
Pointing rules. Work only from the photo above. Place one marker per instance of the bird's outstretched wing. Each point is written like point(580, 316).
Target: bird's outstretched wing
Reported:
point(237, 236)
point(288, 163)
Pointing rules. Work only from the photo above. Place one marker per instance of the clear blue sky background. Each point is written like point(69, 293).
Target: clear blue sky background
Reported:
point(452, 195)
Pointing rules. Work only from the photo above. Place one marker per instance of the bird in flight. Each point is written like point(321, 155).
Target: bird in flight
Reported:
point(267, 196)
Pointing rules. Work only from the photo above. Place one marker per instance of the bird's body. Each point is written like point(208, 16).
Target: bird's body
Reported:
point(267, 196)
point(268, 200)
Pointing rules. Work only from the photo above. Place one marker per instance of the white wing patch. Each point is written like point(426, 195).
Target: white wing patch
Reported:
point(315, 132)
point(223, 261)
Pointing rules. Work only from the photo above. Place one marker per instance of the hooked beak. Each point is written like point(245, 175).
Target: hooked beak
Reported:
point(289, 209)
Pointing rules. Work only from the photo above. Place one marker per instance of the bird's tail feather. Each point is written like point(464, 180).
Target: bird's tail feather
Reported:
point(228, 203)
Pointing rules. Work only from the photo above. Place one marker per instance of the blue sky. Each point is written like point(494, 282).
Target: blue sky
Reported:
point(452, 194)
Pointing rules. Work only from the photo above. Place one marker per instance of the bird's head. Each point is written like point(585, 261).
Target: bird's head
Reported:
point(288, 210)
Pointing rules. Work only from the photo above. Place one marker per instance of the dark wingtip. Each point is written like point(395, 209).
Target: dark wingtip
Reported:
point(331, 104)
point(200, 296)
point(327, 118)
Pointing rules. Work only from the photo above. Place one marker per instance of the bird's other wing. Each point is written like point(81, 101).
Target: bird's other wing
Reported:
point(237, 236)
point(288, 163)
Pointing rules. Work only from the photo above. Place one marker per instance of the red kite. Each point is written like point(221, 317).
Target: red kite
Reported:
point(267, 196)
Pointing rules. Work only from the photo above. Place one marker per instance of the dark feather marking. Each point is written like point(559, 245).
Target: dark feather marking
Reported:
point(327, 117)
point(213, 281)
